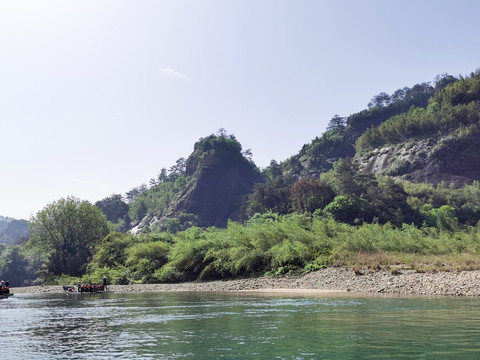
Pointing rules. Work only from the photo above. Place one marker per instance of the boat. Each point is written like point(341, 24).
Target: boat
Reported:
point(69, 289)
point(5, 293)
point(80, 289)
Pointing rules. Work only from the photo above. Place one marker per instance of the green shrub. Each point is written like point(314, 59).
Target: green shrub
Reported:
point(289, 243)
point(281, 270)
point(60, 280)
point(144, 259)
point(119, 275)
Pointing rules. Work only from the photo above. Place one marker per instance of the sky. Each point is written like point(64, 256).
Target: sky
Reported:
point(96, 97)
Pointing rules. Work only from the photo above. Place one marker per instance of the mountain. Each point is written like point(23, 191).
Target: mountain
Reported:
point(434, 144)
point(13, 231)
point(428, 133)
point(206, 190)
point(222, 177)
point(4, 221)
point(342, 132)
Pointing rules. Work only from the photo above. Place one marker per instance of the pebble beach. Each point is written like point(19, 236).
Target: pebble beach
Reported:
point(407, 282)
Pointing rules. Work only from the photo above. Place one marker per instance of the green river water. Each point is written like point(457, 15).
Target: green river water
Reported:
point(219, 326)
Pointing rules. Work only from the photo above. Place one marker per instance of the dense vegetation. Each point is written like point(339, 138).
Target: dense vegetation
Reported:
point(314, 210)
point(163, 198)
point(344, 219)
point(453, 109)
point(270, 244)
point(65, 233)
point(342, 132)
point(14, 231)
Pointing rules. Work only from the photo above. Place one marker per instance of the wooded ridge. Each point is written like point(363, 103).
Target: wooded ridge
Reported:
point(400, 177)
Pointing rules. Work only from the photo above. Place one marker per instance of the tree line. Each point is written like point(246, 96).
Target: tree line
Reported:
point(293, 220)
point(454, 108)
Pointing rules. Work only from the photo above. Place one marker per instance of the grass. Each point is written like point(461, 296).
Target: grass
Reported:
point(289, 244)
point(396, 262)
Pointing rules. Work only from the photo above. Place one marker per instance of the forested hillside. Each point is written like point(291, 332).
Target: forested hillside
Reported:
point(4, 221)
point(457, 107)
point(185, 195)
point(342, 132)
point(432, 144)
point(13, 231)
point(398, 177)
point(206, 189)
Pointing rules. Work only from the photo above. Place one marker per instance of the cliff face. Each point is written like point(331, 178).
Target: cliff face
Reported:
point(217, 190)
point(219, 177)
point(453, 159)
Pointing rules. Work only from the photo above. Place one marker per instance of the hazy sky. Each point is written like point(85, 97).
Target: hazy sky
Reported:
point(97, 96)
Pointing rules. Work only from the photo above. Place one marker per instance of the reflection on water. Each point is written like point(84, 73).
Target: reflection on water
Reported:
point(212, 326)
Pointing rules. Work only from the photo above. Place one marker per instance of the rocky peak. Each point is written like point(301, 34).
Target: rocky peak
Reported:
point(219, 177)
point(222, 176)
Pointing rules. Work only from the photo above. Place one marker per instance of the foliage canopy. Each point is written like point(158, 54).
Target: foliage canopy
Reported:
point(66, 231)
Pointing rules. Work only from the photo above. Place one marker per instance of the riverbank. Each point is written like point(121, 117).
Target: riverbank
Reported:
point(457, 283)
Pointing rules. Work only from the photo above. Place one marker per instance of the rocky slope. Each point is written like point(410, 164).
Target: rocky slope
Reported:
point(218, 189)
point(220, 177)
point(430, 134)
point(452, 159)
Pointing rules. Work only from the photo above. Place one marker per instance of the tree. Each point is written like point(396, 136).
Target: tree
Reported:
point(388, 201)
point(273, 171)
point(382, 99)
point(14, 266)
point(248, 154)
point(67, 231)
point(399, 94)
point(222, 132)
point(443, 217)
point(349, 209)
point(273, 196)
point(177, 169)
point(308, 196)
point(162, 177)
point(181, 222)
point(419, 94)
point(153, 182)
point(346, 174)
point(443, 80)
point(132, 194)
point(337, 122)
point(111, 251)
point(113, 207)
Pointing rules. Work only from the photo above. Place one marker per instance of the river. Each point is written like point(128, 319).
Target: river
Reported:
point(220, 326)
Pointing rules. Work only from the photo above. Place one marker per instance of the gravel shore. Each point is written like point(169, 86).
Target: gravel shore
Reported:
point(461, 283)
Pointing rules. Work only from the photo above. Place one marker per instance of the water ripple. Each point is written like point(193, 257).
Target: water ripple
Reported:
point(192, 326)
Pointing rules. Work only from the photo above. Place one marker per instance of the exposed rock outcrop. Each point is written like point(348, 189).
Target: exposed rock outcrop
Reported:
point(218, 188)
point(453, 159)
point(220, 176)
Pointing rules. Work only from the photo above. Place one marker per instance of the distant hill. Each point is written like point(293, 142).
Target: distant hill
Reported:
point(4, 221)
point(13, 231)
